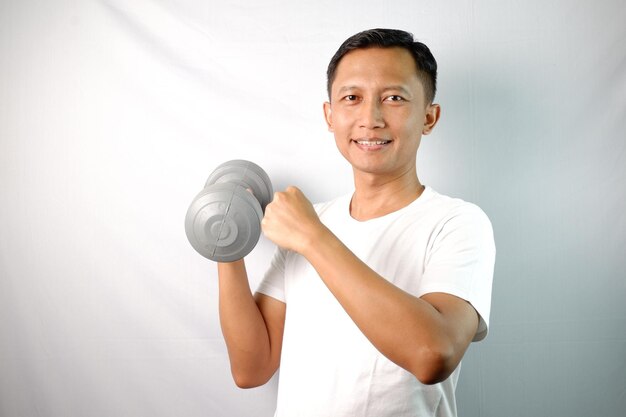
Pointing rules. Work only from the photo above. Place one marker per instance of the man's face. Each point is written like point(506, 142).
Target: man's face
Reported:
point(378, 112)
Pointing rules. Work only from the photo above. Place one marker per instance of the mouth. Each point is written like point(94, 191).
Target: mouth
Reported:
point(371, 142)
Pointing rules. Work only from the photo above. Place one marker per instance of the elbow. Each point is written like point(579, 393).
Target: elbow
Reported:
point(245, 383)
point(432, 366)
point(247, 380)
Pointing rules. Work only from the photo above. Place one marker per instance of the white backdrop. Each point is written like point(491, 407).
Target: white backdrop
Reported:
point(113, 113)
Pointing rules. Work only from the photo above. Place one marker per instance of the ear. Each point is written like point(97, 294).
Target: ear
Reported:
point(328, 116)
point(433, 112)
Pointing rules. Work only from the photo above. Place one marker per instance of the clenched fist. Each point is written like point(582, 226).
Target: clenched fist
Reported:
point(291, 222)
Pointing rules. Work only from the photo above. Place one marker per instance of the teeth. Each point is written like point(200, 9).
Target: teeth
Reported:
point(372, 142)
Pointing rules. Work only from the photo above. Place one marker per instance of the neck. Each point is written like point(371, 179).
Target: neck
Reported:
point(375, 196)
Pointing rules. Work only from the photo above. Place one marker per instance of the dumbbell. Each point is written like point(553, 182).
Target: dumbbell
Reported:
point(223, 222)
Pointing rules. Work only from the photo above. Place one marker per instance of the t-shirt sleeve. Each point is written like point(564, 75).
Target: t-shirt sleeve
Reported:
point(460, 261)
point(273, 282)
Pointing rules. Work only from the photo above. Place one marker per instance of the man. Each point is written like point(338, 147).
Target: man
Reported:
point(373, 298)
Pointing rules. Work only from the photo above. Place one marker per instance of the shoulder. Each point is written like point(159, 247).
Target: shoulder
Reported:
point(448, 208)
point(453, 219)
point(336, 204)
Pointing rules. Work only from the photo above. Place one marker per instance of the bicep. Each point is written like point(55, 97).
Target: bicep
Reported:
point(273, 312)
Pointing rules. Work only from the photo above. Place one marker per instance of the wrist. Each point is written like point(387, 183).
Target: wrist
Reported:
point(319, 238)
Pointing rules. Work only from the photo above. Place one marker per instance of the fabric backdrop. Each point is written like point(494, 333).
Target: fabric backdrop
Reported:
point(113, 113)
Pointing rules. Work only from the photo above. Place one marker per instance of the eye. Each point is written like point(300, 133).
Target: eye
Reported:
point(394, 98)
point(350, 97)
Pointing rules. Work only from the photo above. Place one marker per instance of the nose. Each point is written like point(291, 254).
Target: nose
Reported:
point(371, 114)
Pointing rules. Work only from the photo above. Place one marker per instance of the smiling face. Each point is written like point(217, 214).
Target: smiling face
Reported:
point(377, 111)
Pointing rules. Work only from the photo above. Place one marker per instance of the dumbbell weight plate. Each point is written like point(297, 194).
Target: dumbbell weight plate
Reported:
point(247, 174)
point(223, 223)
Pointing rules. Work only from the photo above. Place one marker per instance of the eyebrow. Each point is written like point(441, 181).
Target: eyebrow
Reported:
point(400, 88)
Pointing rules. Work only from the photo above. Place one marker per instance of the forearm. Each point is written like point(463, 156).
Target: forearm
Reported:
point(404, 328)
point(243, 327)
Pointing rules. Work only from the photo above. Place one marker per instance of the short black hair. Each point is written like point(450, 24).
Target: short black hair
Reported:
point(389, 38)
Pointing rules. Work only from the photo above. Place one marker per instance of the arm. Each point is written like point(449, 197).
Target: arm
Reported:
point(427, 336)
point(252, 327)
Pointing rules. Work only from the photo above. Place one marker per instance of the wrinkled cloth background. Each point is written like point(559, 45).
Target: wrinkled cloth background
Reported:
point(113, 113)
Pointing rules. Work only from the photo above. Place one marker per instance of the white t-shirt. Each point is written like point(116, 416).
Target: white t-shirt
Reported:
point(328, 367)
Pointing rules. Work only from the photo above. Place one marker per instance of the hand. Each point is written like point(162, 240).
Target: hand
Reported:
point(290, 221)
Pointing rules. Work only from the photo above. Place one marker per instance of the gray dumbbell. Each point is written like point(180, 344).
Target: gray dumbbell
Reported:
point(223, 223)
